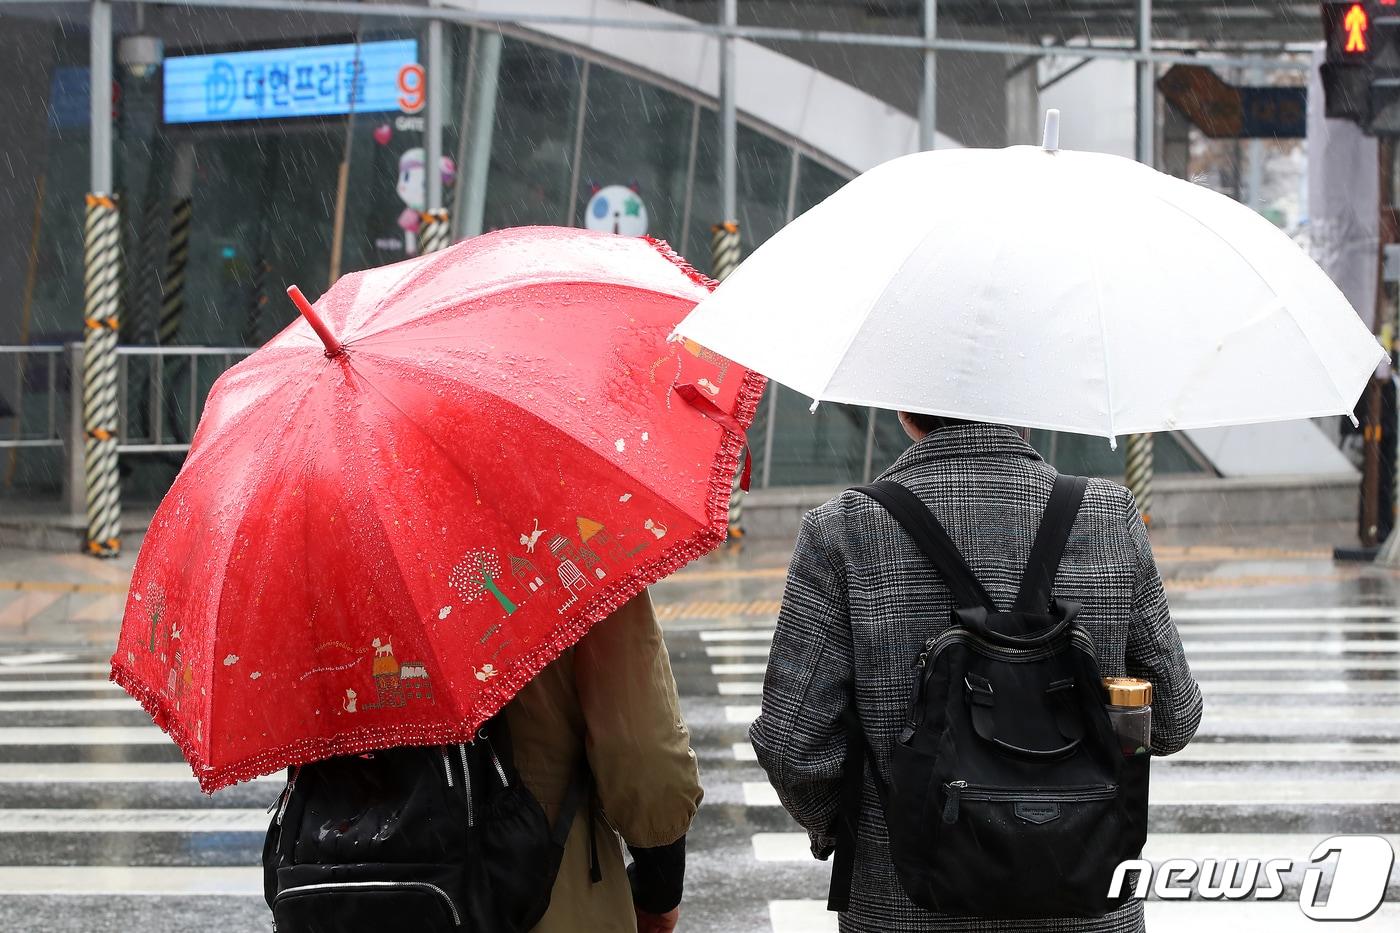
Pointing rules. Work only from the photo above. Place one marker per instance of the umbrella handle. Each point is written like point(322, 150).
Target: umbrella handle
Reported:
point(333, 346)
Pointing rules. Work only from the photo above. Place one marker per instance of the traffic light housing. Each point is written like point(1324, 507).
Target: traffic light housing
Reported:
point(1361, 73)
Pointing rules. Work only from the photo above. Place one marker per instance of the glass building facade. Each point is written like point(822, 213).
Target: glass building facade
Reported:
point(267, 207)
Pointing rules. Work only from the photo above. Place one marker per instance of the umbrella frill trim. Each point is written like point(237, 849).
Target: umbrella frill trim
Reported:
point(683, 264)
point(509, 683)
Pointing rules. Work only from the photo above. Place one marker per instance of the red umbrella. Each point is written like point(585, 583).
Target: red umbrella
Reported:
point(377, 540)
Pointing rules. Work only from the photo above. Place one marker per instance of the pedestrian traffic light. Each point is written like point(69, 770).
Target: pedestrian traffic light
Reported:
point(1361, 74)
point(1346, 73)
point(1347, 25)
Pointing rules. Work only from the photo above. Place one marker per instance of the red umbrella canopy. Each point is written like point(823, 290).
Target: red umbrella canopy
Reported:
point(381, 546)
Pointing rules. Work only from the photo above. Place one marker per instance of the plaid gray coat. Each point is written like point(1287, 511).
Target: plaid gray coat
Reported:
point(861, 600)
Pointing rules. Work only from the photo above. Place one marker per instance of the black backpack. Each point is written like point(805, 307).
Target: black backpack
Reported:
point(1009, 797)
point(442, 838)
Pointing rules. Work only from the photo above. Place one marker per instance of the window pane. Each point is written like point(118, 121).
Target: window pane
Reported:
point(1093, 456)
point(532, 148)
point(825, 447)
point(637, 136)
point(815, 183)
point(762, 188)
point(764, 167)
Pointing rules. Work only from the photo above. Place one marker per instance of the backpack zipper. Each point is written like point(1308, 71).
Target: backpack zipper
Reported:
point(286, 802)
point(341, 885)
point(467, 785)
point(957, 790)
point(447, 766)
point(286, 798)
point(500, 769)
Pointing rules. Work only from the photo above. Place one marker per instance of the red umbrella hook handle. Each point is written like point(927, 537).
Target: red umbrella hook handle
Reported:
point(706, 406)
point(333, 347)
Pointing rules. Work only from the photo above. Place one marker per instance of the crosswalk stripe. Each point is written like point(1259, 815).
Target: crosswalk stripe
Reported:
point(1242, 685)
point(1251, 917)
point(82, 735)
point(92, 706)
point(1195, 622)
point(1300, 627)
point(1194, 648)
point(1372, 665)
point(104, 772)
point(781, 847)
point(1347, 752)
point(794, 916)
point(1301, 687)
point(1349, 715)
point(1318, 612)
point(124, 880)
point(1304, 649)
point(740, 715)
point(1219, 715)
point(811, 916)
point(795, 847)
point(36, 657)
point(1301, 665)
point(720, 670)
point(1206, 793)
point(737, 651)
point(55, 686)
point(29, 670)
point(212, 820)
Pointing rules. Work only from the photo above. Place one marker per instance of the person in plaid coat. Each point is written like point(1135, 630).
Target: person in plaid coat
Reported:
point(861, 600)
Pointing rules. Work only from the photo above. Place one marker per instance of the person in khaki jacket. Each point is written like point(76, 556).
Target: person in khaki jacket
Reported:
point(613, 697)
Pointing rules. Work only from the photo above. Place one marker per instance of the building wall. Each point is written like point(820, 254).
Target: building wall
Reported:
point(263, 202)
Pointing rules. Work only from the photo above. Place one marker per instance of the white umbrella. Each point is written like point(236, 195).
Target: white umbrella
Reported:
point(1030, 286)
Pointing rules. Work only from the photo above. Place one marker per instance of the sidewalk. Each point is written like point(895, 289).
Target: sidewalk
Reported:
point(48, 598)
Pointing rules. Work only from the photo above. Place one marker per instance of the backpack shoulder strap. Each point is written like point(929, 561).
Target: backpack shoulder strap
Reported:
point(1055, 524)
point(915, 517)
point(579, 796)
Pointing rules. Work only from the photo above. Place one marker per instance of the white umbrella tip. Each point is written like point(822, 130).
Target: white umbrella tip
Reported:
point(1052, 131)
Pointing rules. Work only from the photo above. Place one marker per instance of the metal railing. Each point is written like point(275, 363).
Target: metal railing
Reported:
point(35, 371)
point(168, 375)
point(172, 390)
point(160, 393)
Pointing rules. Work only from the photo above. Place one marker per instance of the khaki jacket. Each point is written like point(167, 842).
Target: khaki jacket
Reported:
point(613, 697)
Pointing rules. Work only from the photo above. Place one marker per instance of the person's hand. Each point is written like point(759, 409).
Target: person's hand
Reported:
point(658, 923)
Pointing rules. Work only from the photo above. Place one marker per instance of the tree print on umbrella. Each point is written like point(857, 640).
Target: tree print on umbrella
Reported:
point(155, 611)
point(475, 575)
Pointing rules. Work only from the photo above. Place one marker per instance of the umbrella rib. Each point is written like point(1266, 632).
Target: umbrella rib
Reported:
point(1267, 284)
point(223, 583)
point(374, 512)
point(1103, 339)
point(870, 308)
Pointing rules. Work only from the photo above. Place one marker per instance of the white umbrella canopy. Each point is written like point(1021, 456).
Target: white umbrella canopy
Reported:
point(1038, 287)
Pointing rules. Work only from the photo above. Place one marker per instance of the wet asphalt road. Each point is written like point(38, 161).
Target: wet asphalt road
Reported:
point(101, 827)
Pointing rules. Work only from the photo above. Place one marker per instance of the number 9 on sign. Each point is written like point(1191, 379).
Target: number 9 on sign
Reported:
point(413, 88)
